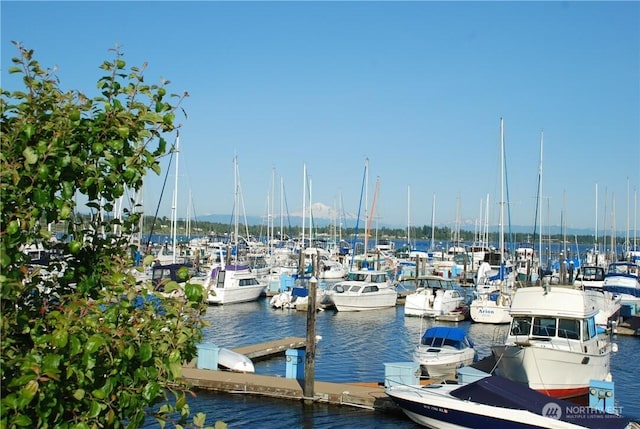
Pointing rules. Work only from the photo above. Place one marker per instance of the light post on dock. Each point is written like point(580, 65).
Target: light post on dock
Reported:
point(310, 353)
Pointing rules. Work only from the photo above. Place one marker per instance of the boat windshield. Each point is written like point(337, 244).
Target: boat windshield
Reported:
point(441, 342)
point(521, 326)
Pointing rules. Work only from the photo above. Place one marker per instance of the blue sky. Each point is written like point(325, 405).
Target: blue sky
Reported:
point(417, 88)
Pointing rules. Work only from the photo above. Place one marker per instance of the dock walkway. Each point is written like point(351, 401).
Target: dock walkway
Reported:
point(363, 395)
point(270, 349)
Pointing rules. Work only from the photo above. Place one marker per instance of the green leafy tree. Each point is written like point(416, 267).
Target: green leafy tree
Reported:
point(85, 344)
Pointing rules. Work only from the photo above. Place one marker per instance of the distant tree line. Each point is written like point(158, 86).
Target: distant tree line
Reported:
point(162, 225)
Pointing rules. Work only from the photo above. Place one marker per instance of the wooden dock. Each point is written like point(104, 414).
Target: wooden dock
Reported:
point(361, 395)
point(271, 349)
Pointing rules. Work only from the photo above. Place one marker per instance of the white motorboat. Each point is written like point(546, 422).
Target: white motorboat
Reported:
point(623, 278)
point(493, 402)
point(442, 350)
point(434, 296)
point(553, 344)
point(491, 308)
point(363, 290)
point(589, 277)
point(232, 284)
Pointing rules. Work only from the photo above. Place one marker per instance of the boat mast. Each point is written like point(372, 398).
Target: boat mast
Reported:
point(366, 203)
point(433, 219)
point(304, 202)
point(501, 192)
point(596, 233)
point(174, 205)
point(540, 211)
point(409, 216)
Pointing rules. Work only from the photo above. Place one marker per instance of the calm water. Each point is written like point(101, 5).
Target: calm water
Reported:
point(354, 347)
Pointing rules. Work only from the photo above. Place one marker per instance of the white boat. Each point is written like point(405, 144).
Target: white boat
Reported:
point(589, 276)
point(623, 278)
point(491, 308)
point(495, 402)
point(607, 303)
point(296, 297)
point(442, 350)
point(233, 361)
point(233, 283)
point(331, 269)
point(434, 296)
point(363, 290)
point(553, 344)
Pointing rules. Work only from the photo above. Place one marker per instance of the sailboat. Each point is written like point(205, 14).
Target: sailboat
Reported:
point(233, 282)
point(494, 301)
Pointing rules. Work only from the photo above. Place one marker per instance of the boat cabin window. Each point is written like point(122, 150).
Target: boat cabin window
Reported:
point(378, 278)
point(588, 328)
point(569, 328)
point(248, 282)
point(359, 277)
point(593, 273)
point(521, 326)
point(221, 276)
point(544, 327)
point(369, 289)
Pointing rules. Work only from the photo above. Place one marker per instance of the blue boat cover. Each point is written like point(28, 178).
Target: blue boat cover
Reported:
point(500, 392)
point(445, 332)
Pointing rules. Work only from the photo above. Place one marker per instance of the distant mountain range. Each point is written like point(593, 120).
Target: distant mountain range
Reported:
point(325, 216)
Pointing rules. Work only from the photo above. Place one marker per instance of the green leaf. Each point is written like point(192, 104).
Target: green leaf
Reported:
point(60, 338)
point(145, 352)
point(27, 393)
point(94, 411)
point(79, 394)
point(150, 391)
point(194, 292)
point(98, 394)
point(199, 420)
point(30, 156)
point(75, 347)
point(23, 420)
point(94, 343)
point(176, 369)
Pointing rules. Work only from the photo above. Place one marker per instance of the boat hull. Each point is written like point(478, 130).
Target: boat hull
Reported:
point(443, 363)
point(438, 411)
point(485, 310)
point(421, 304)
point(234, 295)
point(561, 374)
point(355, 302)
point(234, 361)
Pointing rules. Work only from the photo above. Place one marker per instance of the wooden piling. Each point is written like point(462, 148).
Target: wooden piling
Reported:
point(309, 368)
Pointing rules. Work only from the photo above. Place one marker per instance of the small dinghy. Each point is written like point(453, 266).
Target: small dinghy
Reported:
point(233, 361)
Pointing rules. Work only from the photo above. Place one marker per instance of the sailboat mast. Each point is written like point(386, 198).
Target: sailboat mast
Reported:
point(409, 216)
point(174, 204)
point(366, 203)
point(540, 197)
point(596, 233)
point(501, 191)
point(304, 202)
point(433, 220)
point(235, 204)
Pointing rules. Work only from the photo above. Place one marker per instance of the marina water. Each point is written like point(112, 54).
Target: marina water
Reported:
point(354, 348)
